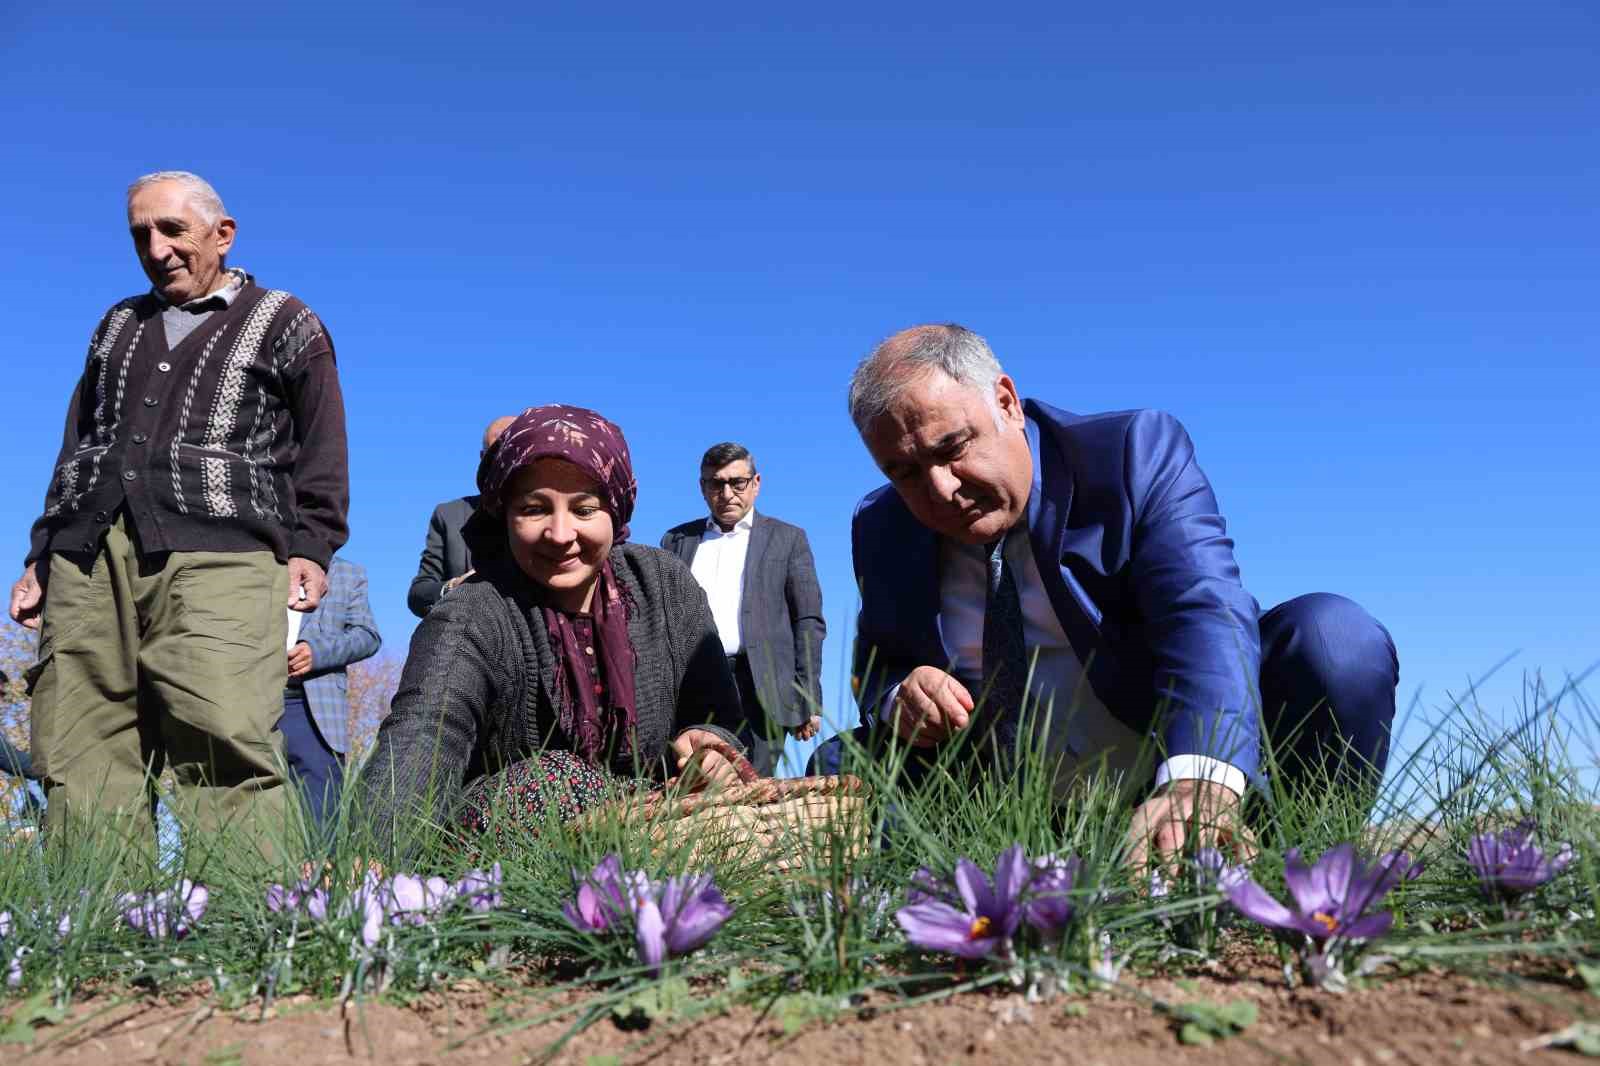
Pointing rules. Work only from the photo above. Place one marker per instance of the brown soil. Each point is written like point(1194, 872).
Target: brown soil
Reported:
point(1421, 1018)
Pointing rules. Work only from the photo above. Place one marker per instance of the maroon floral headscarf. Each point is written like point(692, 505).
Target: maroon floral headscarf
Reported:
point(596, 446)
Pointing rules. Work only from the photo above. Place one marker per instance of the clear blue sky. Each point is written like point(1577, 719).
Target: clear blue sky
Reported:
point(1353, 249)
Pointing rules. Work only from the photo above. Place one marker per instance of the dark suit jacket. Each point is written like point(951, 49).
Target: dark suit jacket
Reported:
point(1144, 582)
point(445, 556)
point(780, 614)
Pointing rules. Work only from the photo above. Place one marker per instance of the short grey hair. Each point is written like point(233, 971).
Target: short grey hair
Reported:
point(201, 194)
point(911, 355)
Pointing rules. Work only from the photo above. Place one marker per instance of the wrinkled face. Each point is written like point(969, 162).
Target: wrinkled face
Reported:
point(961, 475)
point(559, 533)
point(180, 252)
point(726, 501)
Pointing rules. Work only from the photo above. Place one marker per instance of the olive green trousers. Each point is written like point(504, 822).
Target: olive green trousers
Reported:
point(175, 661)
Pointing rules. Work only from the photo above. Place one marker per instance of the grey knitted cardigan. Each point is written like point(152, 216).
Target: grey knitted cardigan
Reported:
point(477, 691)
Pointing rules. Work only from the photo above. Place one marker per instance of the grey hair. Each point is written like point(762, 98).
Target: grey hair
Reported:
point(912, 354)
point(201, 194)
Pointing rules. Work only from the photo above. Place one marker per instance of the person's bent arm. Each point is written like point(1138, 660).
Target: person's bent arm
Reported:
point(452, 678)
point(429, 582)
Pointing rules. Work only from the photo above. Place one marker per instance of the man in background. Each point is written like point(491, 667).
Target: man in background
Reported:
point(761, 581)
point(446, 560)
point(316, 702)
point(201, 485)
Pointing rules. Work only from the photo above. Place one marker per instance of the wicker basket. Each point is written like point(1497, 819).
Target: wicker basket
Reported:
point(775, 824)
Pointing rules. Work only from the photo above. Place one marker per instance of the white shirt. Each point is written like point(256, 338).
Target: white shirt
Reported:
point(1079, 725)
point(719, 568)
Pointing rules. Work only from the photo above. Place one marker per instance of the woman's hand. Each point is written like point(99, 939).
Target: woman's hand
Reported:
point(704, 758)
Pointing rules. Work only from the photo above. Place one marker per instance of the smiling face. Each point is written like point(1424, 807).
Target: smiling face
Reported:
point(961, 475)
point(180, 251)
point(727, 504)
point(559, 533)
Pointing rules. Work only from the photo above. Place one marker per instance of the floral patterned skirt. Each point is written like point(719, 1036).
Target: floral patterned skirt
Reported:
point(515, 803)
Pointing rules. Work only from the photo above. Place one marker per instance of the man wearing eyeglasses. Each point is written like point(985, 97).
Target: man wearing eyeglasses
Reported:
point(761, 581)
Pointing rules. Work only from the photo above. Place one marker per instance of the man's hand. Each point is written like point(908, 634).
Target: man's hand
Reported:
point(27, 598)
point(300, 660)
point(455, 582)
point(807, 729)
point(1183, 816)
point(931, 707)
point(705, 758)
point(306, 577)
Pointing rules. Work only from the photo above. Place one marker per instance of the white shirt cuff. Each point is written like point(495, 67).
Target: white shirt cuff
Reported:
point(1202, 768)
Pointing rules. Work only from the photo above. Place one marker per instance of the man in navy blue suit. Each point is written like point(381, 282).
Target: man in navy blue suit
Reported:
point(1025, 564)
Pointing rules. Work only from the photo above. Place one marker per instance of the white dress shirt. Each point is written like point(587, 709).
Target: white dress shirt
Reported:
point(719, 568)
point(1080, 728)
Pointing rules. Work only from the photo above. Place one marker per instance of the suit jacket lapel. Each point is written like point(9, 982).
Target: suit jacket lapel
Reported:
point(1049, 506)
point(684, 545)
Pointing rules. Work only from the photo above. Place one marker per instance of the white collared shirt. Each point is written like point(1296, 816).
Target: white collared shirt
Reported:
point(719, 568)
point(1080, 727)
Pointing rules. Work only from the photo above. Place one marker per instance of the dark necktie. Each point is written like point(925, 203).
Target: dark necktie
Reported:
point(1005, 655)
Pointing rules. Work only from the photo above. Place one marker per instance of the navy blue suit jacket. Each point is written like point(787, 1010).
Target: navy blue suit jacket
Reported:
point(1144, 582)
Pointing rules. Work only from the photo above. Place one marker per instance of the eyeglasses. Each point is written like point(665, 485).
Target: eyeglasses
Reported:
point(717, 484)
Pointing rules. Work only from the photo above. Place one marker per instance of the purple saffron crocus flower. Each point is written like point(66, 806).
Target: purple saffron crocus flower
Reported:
point(480, 889)
point(415, 900)
point(280, 898)
point(1331, 898)
point(1048, 905)
point(1509, 863)
point(676, 918)
point(602, 897)
point(989, 912)
point(171, 912)
point(1207, 867)
point(926, 886)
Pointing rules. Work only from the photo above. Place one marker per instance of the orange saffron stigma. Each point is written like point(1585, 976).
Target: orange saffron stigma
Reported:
point(980, 927)
point(1327, 921)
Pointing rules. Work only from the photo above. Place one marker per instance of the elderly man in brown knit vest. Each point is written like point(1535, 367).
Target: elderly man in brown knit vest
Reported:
point(202, 485)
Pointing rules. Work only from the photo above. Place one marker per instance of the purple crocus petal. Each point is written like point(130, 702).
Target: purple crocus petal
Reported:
point(697, 918)
point(371, 919)
point(1252, 901)
point(1208, 864)
point(63, 926)
point(1011, 876)
point(14, 968)
point(925, 886)
point(280, 899)
point(1399, 864)
point(936, 926)
point(1332, 876)
point(648, 930)
point(1562, 859)
point(973, 885)
point(5, 924)
point(480, 889)
point(316, 903)
point(1367, 927)
point(1049, 904)
point(592, 910)
point(195, 900)
point(406, 894)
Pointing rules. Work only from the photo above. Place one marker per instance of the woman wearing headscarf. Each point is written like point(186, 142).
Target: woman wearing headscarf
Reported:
point(571, 661)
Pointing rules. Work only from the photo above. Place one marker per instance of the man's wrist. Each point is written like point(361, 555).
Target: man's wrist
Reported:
point(1202, 768)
